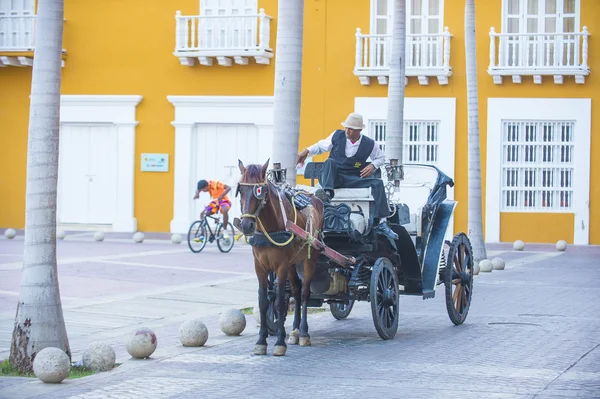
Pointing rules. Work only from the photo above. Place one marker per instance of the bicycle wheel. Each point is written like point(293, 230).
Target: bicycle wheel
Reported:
point(225, 245)
point(197, 236)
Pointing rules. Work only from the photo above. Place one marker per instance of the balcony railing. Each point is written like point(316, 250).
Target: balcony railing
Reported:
point(223, 37)
point(538, 54)
point(17, 33)
point(427, 55)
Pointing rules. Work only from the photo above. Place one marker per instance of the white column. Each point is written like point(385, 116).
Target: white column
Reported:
point(125, 221)
point(184, 186)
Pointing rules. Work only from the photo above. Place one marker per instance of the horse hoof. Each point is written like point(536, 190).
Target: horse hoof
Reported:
point(279, 350)
point(304, 341)
point(294, 337)
point(260, 349)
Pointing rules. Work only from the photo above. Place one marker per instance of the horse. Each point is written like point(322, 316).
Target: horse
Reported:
point(265, 211)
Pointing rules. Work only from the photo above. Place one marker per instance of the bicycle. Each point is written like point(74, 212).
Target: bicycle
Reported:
point(199, 234)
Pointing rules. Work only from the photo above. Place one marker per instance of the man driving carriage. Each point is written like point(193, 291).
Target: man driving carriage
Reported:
point(347, 167)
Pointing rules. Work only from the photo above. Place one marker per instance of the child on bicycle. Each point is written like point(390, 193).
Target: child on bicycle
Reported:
point(220, 202)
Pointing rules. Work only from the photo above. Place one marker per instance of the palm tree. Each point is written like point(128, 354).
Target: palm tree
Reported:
point(39, 321)
point(475, 224)
point(288, 82)
point(394, 131)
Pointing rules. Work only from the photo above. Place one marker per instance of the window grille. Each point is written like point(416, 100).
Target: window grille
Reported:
point(537, 166)
point(421, 140)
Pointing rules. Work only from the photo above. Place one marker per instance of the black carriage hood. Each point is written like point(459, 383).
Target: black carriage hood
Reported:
point(438, 193)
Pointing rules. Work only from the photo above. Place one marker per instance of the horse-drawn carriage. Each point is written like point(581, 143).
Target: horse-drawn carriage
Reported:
point(355, 263)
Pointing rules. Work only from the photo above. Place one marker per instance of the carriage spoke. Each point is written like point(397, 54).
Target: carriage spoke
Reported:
point(459, 300)
point(457, 263)
point(456, 281)
point(456, 292)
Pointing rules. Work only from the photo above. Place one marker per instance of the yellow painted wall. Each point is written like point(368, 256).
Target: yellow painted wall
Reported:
point(329, 96)
point(132, 54)
point(124, 47)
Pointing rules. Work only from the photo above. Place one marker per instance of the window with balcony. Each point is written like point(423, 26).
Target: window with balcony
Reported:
point(539, 37)
point(427, 42)
point(537, 166)
point(225, 30)
point(17, 23)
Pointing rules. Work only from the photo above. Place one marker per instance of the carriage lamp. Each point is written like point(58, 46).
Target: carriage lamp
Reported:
point(277, 174)
point(395, 172)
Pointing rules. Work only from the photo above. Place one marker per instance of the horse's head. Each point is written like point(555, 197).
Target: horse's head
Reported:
point(253, 190)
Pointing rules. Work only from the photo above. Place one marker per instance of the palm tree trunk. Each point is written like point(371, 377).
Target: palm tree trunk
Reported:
point(288, 82)
point(475, 224)
point(39, 321)
point(394, 130)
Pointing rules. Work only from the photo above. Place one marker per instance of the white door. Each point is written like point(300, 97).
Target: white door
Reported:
point(217, 150)
point(87, 192)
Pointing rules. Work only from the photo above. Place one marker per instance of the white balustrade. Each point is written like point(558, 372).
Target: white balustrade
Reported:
point(538, 54)
point(426, 55)
point(17, 33)
point(223, 36)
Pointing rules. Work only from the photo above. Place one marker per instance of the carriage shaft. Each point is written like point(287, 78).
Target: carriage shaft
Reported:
point(319, 245)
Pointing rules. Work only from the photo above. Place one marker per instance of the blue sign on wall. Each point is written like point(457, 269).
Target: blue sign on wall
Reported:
point(155, 162)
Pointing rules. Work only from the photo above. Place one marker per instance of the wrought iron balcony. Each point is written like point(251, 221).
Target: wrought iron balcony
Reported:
point(224, 37)
point(539, 54)
point(427, 55)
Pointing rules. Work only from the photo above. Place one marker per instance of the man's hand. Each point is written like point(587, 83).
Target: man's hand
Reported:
point(302, 157)
point(367, 171)
point(196, 196)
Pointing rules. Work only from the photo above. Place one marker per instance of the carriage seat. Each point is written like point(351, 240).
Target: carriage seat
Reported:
point(358, 199)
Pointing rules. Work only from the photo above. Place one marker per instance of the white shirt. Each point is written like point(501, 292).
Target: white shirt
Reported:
point(377, 156)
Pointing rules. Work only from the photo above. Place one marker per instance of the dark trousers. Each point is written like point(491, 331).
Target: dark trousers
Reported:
point(330, 179)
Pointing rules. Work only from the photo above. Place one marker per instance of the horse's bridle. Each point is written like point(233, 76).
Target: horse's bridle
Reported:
point(260, 191)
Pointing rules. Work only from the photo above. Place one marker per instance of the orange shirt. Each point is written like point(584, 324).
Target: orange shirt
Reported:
point(216, 188)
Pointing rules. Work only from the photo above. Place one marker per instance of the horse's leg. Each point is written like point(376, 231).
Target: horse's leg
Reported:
point(296, 292)
point(309, 271)
point(263, 303)
point(280, 345)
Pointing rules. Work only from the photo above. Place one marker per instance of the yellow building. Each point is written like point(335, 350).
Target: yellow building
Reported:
point(157, 95)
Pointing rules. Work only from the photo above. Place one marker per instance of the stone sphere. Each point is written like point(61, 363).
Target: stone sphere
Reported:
point(485, 266)
point(476, 269)
point(51, 365)
point(141, 343)
point(193, 333)
point(498, 264)
point(10, 233)
point(99, 356)
point(561, 245)
point(518, 245)
point(60, 234)
point(99, 236)
point(176, 239)
point(232, 322)
point(138, 237)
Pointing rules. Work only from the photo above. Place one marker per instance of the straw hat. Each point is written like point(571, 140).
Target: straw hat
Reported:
point(354, 121)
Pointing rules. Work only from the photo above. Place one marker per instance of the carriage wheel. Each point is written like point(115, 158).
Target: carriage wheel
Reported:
point(384, 298)
point(341, 310)
point(459, 278)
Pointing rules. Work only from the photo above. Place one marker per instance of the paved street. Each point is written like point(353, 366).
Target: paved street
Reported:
point(532, 330)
